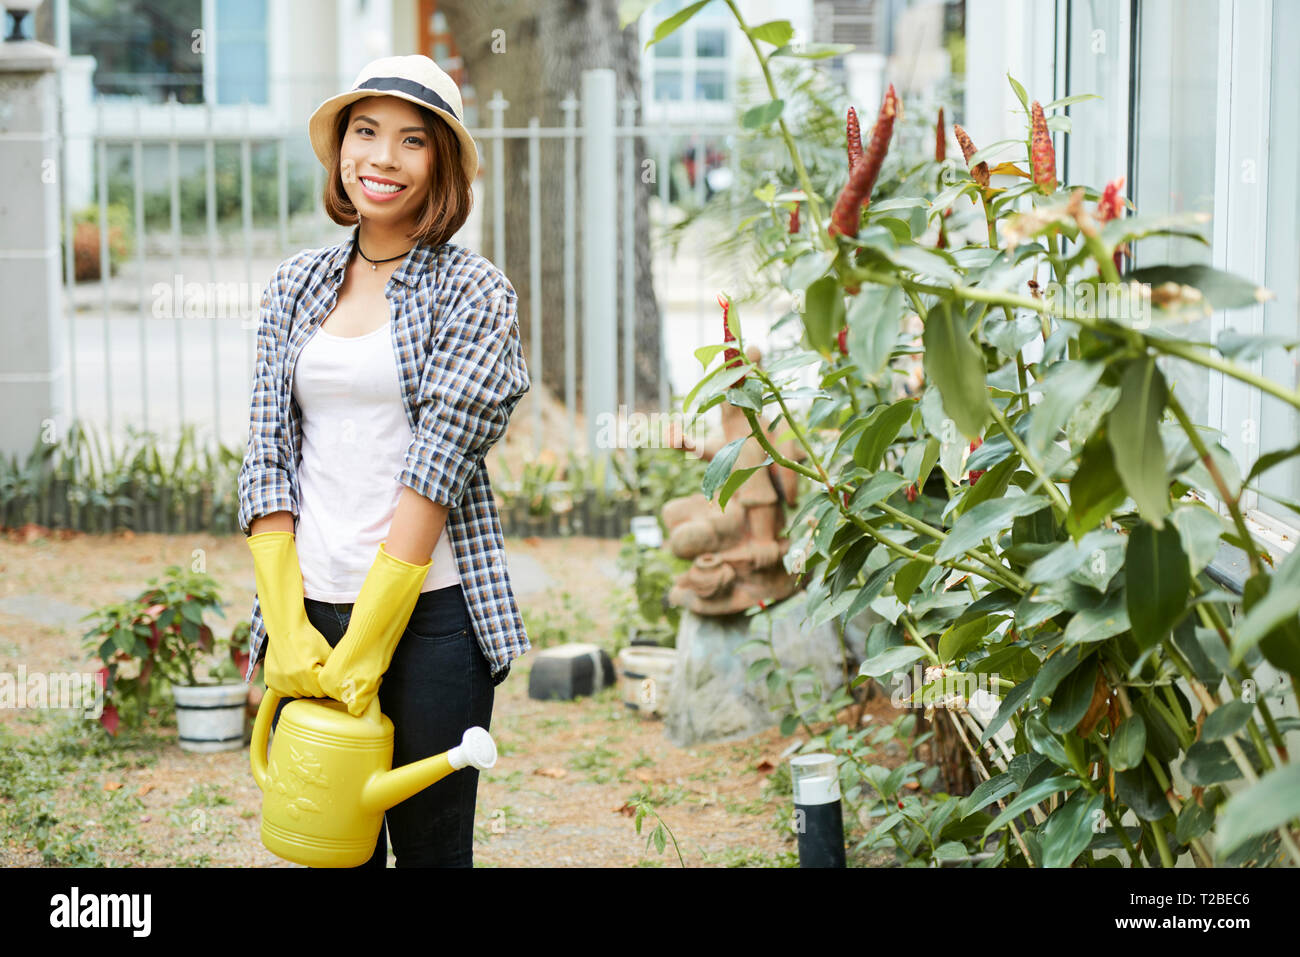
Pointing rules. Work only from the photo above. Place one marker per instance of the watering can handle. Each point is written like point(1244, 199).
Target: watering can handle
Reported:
point(261, 731)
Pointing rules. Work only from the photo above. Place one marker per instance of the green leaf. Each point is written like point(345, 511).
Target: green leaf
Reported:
point(1193, 821)
point(907, 578)
point(669, 26)
point(1277, 607)
point(1128, 744)
point(1221, 289)
point(1199, 529)
point(759, 116)
point(1029, 797)
point(986, 793)
point(720, 467)
point(1264, 806)
point(1072, 697)
point(823, 313)
point(959, 640)
point(1069, 830)
point(1209, 762)
point(737, 479)
point(880, 432)
point(1064, 560)
point(1242, 348)
point(891, 660)
point(924, 262)
point(1019, 90)
point(1069, 100)
point(985, 520)
point(1226, 720)
point(1139, 789)
point(1098, 623)
point(1095, 490)
point(776, 32)
point(706, 353)
point(874, 319)
point(808, 267)
point(956, 366)
point(629, 11)
point(1067, 385)
point(815, 51)
point(1158, 582)
point(875, 489)
point(1133, 429)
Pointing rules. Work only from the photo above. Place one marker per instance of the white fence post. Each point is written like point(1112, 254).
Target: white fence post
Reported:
point(599, 252)
point(31, 373)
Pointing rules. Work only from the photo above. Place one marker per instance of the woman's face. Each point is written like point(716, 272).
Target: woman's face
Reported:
point(384, 159)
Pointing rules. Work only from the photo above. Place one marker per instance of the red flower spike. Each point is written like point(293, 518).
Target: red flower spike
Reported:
point(975, 475)
point(1111, 206)
point(843, 340)
point(900, 805)
point(980, 171)
point(794, 220)
point(1042, 154)
point(730, 357)
point(940, 140)
point(911, 492)
point(847, 214)
point(853, 134)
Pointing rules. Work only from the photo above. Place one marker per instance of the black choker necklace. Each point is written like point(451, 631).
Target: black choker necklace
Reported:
point(374, 263)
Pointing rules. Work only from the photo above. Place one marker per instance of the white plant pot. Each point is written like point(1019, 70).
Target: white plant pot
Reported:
point(645, 677)
point(211, 717)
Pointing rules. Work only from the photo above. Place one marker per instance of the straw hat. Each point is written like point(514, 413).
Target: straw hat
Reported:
point(414, 78)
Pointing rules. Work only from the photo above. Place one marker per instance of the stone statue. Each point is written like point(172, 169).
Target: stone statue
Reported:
point(737, 553)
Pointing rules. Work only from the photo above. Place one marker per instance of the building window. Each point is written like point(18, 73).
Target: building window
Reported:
point(241, 33)
point(1279, 426)
point(691, 65)
point(1177, 87)
point(142, 48)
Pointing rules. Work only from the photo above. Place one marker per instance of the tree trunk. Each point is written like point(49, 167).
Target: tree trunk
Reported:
point(534, 53)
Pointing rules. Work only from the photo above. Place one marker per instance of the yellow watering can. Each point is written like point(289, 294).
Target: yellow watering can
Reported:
point(328, 782)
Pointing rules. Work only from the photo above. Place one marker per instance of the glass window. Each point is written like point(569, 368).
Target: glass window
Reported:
point(710, 85)
point(670, 46)
point(668, 84)
point(1177, 91)
point(241, 51)
point(138, 48)
point(1096, 155)
point(1280, 423)
point(710, 42)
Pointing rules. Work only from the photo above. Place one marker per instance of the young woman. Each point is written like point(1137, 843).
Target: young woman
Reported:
point(387, 366)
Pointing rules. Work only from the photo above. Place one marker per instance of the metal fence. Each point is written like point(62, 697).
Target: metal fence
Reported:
point(123, 372)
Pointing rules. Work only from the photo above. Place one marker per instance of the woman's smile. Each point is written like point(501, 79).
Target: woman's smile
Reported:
point(379, 189)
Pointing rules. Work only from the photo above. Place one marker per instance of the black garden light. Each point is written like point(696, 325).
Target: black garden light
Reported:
point(818, 817)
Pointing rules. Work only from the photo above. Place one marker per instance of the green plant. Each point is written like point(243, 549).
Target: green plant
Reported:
point(1058, 544)
point(653, 572)
point(161, 629)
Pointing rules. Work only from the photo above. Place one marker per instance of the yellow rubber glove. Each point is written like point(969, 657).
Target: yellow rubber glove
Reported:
point(379, 618)
point(296, 652)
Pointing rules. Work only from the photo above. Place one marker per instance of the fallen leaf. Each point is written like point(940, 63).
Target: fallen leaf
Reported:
point(626, 810)
point(912, 785)
point(144, 789)
point(551, 772)
point(766, 766)
point(112, 785)
point(643, 775)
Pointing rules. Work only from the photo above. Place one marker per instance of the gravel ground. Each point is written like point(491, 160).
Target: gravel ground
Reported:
point(558, 795)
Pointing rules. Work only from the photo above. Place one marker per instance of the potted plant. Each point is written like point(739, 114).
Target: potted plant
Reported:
point(161, 632)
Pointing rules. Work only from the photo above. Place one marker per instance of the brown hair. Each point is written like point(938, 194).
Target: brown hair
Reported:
point(450, 196)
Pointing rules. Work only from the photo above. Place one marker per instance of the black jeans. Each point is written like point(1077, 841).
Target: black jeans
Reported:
point(438, 685)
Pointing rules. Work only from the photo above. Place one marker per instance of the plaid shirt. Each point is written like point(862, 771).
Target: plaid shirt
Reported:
point(461, 366)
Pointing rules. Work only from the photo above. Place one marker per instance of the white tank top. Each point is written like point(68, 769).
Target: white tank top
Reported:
point(354, 440)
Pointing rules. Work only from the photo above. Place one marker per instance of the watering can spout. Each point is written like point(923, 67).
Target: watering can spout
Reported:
point(389, 788)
